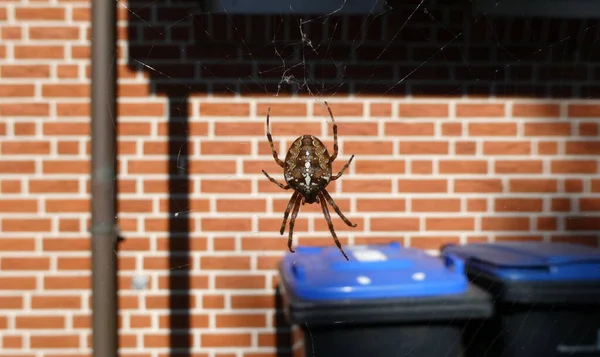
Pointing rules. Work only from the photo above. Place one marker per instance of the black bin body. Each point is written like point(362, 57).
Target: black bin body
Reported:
point(386, 301)
point(547, 299)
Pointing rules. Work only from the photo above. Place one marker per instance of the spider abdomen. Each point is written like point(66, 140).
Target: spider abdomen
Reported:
point(307, 167)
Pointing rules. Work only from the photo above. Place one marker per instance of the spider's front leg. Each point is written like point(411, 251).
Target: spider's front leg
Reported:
point(335, 138)
point(285, 187)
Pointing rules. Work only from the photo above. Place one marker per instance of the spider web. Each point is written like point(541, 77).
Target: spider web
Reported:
point(298, 70)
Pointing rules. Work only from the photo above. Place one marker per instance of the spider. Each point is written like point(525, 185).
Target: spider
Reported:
point(307, 170)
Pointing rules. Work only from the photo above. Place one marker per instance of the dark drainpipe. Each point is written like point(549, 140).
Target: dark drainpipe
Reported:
point(103, 137)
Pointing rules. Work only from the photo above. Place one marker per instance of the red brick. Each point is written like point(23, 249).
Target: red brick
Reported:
point(240, 282)
point(423, 110)
point(241, 320)
point(38, 52)
point(473, 186)
point(449, 224)
point(380, 166)
point(18, 206)
point(409, 129)
point(547, 148)
point(547, 129)
point(588, 129)
point(506, 148)
point(574, 167)
point(225, 263)
point(67, 71)
point(24, 71)
point(66, 167)
point(435, 205)
point(583, 148)
point(432, 243)
point(465, 148)
point(518, 205)
point(463, 167)
point(141, 109)
point(493, 129)
point(382, 147)
point(53, 186)
point(40, 13)
point(423, 167)
point(535, 110)
point(423, 148)
point(381, 205)
point(11, 302)
point(57, 341)
point(225, 148)
point(245, 129)
point(395, 224)
point(225, 109)
point(17, 90)
point(226, 225)
point(584, 110)
point(65, 90)
point(504, 224)
point(24, 263)
point(533, 185)
point(422, 186)
point(8, 283)
point(281, 109)
point(229, 340)
point(339, 109)
point(518, 167)
point(479, 110)
point(12, 33)
point(26, 225)
point(24, 109)
point(53, 33)
point(452, 129)
point(373, 185)
point(381, 110)
point(40, 322)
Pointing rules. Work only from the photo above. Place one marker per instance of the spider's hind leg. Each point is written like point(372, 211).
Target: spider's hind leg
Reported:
point(337, 210)
point(330, 224)
point(292, 221)
point(287, 211)
point(343, 169)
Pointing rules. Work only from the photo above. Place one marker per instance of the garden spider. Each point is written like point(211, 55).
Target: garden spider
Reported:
point(307, 170)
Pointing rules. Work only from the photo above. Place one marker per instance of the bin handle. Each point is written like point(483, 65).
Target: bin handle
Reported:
point(455, 263)
point(298, 271)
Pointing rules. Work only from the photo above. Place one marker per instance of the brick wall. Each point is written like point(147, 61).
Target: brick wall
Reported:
point(488, 130)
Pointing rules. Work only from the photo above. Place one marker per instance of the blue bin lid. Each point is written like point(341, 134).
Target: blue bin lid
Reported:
point(374, 271)
point(530, 261)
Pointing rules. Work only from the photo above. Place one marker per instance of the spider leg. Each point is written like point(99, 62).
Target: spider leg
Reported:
point(336, 208)
point(330, 224)
point(285, 187)
point(270, 138)
point(343, 169)
point(293, 199)
point(335, 138)
point(292, 221)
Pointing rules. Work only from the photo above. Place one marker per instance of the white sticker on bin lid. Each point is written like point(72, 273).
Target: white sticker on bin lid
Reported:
point(363, 280)
point(418, 276)
point(369, 255)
